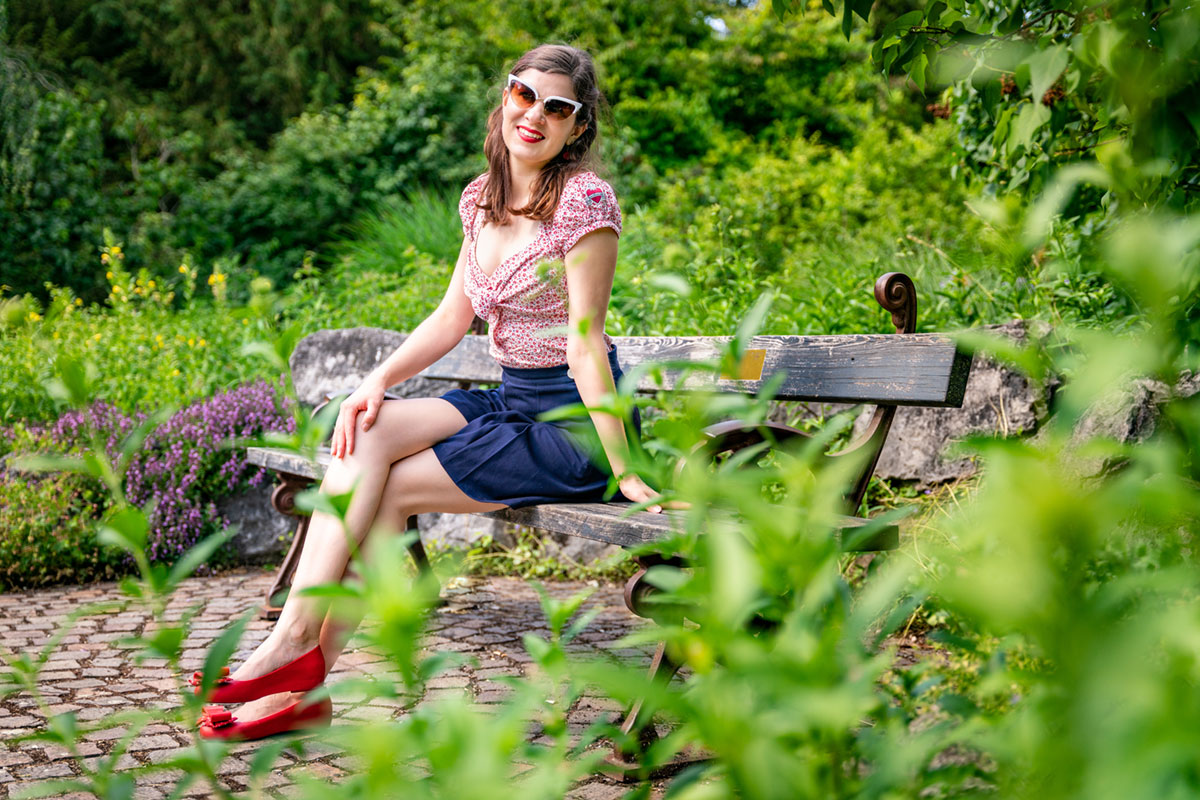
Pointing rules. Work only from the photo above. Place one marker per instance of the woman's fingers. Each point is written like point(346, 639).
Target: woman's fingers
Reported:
point(337, 439)
point(351, 414)
point(635, 489)
point(647, 494)
point(370, 414)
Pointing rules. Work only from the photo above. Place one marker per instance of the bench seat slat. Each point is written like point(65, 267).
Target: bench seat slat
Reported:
point(287, 462)
point(606, 522)
point(895, 369)
point(603, 522)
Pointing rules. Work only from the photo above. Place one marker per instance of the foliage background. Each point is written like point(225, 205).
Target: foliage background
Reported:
point(184, 218)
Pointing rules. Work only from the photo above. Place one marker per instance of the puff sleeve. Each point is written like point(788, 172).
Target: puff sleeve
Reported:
point(588, 204)
point(467, 209)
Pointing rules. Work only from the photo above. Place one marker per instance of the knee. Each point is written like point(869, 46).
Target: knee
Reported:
point(369, 450)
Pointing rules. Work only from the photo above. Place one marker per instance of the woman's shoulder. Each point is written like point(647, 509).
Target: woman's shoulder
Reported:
point(473, 188)
point(468, 204)
point(581, 183)
point(587, 203)
point(586, 194)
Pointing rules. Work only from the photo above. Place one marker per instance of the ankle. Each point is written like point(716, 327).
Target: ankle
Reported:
point(299, 634)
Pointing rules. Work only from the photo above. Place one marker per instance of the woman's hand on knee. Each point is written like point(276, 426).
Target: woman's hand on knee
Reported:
point(357, 413)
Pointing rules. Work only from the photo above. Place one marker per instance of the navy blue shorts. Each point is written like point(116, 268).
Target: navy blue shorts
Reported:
point(505, 455)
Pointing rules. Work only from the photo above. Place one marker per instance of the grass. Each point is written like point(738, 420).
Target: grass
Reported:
point(384, 240)
point(529, 556)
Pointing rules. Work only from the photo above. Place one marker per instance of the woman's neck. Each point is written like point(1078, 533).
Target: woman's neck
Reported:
point(521, 178)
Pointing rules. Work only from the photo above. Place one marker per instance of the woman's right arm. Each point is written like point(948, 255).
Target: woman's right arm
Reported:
point(433, 338)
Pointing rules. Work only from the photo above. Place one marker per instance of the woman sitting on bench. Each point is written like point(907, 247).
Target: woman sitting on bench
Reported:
point(539, 252)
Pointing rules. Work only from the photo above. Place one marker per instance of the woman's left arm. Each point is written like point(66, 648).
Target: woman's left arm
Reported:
point(591, 264)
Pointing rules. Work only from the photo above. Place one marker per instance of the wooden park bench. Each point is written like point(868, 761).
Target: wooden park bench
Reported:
point(887, 370)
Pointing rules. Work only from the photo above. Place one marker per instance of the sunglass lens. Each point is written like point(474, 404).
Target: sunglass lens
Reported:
point(522, 94)
point(558, 109)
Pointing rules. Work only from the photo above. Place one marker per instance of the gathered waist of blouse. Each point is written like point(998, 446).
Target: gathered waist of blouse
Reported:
point(531, 376)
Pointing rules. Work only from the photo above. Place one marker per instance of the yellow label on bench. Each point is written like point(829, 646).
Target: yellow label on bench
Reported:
point(750, 368)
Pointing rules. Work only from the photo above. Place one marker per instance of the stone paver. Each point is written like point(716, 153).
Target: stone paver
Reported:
point(95, 676)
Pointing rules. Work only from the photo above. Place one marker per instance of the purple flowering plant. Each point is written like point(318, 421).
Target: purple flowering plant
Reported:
point(177, 471)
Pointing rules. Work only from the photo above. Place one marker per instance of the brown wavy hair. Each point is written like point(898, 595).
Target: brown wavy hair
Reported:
point(575, 158)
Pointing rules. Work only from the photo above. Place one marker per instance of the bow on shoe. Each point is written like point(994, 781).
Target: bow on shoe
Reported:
point(198, 678)
point(215, 717)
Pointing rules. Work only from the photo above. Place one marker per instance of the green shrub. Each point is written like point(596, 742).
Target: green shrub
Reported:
point(327, 167)
point(145, 353)
point(52, 165)
point(816, 225)
point(242, 160)
point(48, 531)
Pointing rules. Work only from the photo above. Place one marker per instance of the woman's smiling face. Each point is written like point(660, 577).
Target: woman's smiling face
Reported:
point(532, 137)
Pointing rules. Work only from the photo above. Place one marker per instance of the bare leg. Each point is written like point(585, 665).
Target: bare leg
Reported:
point(413, 485)
point(403, 427)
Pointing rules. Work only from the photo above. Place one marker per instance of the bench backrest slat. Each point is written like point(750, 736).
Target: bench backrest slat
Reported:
point(900, 369)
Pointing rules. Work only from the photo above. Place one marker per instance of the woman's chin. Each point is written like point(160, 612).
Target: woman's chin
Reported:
point(530, 158)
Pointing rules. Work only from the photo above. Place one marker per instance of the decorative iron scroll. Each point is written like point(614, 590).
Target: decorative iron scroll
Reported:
point(896, 293)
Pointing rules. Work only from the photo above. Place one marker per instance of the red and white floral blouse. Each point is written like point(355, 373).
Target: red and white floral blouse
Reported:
point(526, 295)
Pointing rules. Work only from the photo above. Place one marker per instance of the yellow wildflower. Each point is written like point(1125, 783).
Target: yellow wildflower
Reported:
point(183, 268)
point(33, 316)
point(104, 259)
point(150, 284)
point(215, 278)
point(116, 290)
point(245, 321)
point(201, 343)
point(108, 274)
point(174, 372)
point(191, 341)
point(96, 337)
point(115, 250)
point(78, 301)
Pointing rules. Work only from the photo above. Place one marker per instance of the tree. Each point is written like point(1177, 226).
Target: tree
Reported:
point(1051, 95)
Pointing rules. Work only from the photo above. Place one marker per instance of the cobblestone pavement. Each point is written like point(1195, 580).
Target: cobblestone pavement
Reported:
point(89, 675)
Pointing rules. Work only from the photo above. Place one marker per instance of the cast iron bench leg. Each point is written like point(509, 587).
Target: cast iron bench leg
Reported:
point(283, 499)
point(638, 719)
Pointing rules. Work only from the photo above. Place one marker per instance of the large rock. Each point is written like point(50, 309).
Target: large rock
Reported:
point(999, 400)
point(330, 362)
point(263, 534)
point(1131, 414)
point(462, 530)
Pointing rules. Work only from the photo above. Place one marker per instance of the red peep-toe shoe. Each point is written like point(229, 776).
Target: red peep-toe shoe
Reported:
point(217, 723)
point(305, 673)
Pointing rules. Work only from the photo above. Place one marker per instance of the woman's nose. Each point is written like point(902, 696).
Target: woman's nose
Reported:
point(536, 112)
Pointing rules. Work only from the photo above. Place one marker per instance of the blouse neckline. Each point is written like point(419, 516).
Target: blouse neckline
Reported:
point(514, 256)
